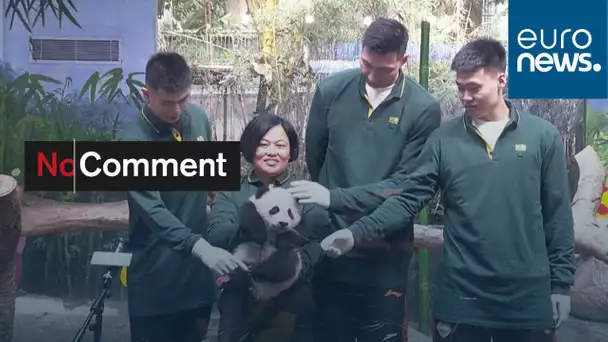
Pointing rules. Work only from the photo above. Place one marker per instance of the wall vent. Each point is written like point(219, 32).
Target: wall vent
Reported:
point(75, 50)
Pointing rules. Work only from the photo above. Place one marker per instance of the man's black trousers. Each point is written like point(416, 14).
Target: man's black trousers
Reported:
point(450, 332)
point(185, 326)
point(349, 313)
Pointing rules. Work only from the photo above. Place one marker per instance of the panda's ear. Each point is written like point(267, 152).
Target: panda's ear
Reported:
point(251, 224)
point(261, 191)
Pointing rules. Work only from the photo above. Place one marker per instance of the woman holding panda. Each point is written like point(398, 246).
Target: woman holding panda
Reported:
point(281, 311)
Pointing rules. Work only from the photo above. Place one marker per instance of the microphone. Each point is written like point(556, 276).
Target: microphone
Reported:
point(113, 260)
point(120, 245)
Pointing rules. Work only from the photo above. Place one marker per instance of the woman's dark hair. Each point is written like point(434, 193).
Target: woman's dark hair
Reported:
point(258, 127)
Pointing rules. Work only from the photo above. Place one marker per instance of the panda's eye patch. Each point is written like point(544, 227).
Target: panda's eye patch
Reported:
point(275, 210)
point(290, 213)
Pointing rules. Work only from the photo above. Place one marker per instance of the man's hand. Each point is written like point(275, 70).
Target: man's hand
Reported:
point(217, 259)
point(338, 243)
point(210, 198)
point(561, 308)
point(310, 192)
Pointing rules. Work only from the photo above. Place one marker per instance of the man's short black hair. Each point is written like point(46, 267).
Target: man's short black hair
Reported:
point(168, 71)
point(386, 36)
point(481, 53)
point(258, 127)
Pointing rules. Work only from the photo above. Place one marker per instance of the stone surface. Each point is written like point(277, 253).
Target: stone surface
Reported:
point(45, 319)
point(576, 330)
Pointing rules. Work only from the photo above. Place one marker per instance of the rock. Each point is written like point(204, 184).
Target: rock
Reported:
point(577, 330)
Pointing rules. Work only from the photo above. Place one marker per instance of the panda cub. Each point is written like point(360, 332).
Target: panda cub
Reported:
point(271, 234)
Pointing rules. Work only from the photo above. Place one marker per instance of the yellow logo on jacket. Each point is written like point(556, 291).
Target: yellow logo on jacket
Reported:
point(393, 120)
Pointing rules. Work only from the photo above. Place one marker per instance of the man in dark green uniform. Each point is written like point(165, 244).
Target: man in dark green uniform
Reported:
point(508, 254)
point(171, 286)
point(365, 130)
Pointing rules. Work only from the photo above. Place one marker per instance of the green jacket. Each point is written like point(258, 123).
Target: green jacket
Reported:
point(360, 154)
point(163, 276)
point(224, 225)
point(508, 229)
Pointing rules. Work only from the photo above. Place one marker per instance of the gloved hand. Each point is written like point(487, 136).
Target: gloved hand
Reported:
point(561, 308)
point(310, 192)
point(217, 259)
point(338, 243)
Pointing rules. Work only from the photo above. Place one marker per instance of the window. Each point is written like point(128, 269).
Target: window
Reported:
point(77, 50)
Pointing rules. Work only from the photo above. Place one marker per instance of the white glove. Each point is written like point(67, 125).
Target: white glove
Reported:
point(338, 243)
point(561, 308)
point(217, 259)
point(310, 192)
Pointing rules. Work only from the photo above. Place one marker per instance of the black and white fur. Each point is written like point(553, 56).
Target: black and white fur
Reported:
point(271, 234)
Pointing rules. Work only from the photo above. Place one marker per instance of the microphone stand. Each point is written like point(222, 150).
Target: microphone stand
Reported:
point(96, 310)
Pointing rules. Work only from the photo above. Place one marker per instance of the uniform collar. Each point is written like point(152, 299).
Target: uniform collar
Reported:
point(254, 178)
point(513, 118)
point(397, 91)
point(161, 127)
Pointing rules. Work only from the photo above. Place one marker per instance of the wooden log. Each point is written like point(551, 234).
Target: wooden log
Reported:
point(429, 237)
point(10, 230)
point(43, 216)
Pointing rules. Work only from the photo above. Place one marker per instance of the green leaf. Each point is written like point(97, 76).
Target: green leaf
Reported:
point(44, 78)
point(22, 9)
point(90, 86)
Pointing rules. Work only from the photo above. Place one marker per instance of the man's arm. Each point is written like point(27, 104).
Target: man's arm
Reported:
point(223, 222)
point(149, 206)
point(317, 220)
point(365, 198)
point(557, 215)
point(317, 135)
point(400, 209)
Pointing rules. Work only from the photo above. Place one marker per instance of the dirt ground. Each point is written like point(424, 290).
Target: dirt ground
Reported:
point(46, 319)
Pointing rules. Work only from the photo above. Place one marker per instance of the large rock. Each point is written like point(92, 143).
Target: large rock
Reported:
point(576, 330)
point(591, 239)
point(590, 291)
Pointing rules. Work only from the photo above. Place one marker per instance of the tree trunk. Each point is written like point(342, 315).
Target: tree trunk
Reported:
point(10, 230)
point(43, 216)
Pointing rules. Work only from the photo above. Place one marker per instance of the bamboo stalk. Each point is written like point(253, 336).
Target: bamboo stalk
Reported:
point(423, 254)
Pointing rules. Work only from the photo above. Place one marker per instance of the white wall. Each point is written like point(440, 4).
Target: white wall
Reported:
point(132, 21)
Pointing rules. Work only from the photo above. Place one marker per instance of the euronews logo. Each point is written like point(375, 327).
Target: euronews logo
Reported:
point(564, 51)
